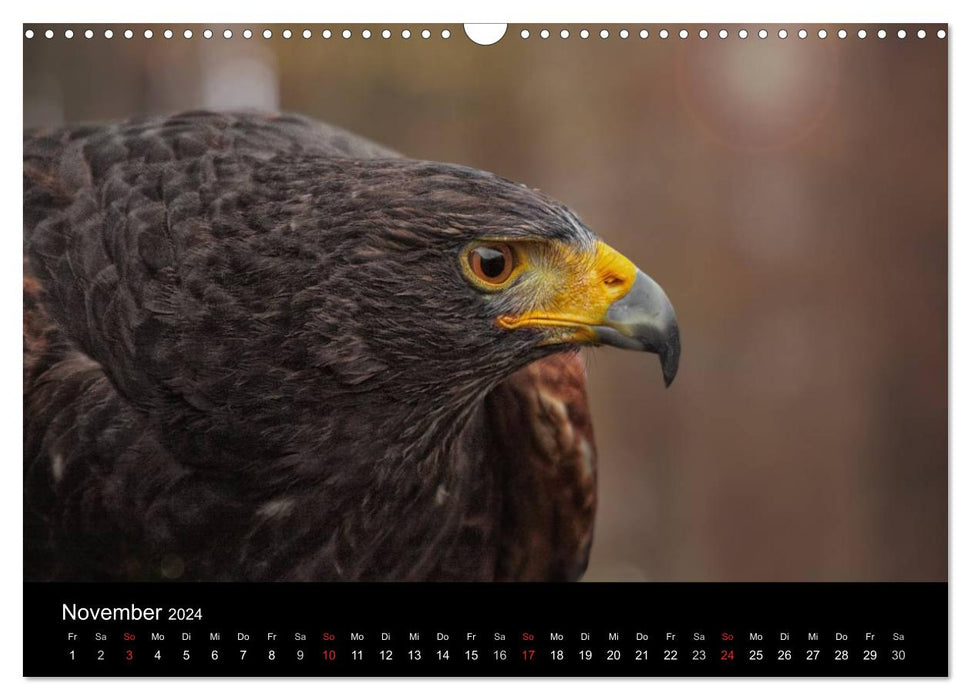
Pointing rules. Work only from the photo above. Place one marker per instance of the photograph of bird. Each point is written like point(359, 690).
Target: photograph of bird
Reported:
point(261, 348)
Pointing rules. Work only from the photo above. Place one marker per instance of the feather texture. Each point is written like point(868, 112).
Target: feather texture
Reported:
point(249, 355)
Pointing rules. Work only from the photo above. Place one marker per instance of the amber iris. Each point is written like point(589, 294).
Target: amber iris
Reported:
point(492, 263)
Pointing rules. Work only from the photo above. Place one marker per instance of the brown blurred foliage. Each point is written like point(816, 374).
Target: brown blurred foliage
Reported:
point(791, 197)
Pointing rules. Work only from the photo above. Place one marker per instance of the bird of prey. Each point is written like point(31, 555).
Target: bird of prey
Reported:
point(263, 348)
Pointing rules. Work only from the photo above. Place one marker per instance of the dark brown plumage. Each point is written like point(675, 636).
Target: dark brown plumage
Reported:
point(252, 351)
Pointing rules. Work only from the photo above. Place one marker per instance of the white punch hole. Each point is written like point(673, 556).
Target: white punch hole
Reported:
point(485, 34)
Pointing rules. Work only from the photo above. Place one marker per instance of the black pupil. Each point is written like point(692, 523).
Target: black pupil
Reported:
point(493, 262)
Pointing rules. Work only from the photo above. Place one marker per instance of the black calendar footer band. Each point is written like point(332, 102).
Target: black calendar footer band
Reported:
point(593, 629)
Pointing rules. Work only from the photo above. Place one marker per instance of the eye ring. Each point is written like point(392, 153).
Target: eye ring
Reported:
point(492, 263)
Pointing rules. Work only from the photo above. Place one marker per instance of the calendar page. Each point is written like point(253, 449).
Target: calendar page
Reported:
point(485, 350)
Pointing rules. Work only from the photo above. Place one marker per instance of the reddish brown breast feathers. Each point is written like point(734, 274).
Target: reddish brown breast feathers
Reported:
point(542, 421)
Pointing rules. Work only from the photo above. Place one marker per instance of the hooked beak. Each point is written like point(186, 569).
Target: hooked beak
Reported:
point(643, 319)
point(606, 300)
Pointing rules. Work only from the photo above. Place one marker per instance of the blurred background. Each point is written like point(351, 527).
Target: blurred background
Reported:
point(789, 195)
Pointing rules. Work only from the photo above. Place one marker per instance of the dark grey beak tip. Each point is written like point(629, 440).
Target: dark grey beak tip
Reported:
point(670, 355)
point(668, 377)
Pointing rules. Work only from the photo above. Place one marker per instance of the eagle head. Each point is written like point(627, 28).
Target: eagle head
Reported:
point(443, 277)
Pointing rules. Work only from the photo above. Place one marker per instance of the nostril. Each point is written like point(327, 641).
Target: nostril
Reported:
point(614, 281)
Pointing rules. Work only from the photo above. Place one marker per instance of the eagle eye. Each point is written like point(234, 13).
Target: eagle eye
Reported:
point(492, 263)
